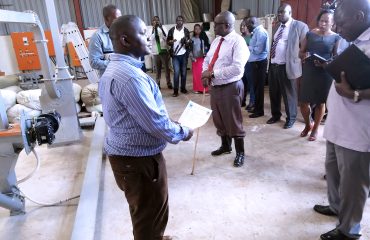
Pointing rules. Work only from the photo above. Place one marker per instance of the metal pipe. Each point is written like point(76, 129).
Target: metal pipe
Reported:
point(11, 203)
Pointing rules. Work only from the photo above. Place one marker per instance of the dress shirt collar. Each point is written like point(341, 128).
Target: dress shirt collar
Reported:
point(257, 28)
point(105, 29)
point(228, 37)
point(287, 24)
point(130, 60)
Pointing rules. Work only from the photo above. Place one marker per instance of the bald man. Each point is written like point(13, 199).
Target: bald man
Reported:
point(139, 128)
point(347, 131)
point(285, 65)
point(100, 45)
point(223, 68)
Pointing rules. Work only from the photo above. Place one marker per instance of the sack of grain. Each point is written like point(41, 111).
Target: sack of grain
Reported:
point(30, 98)
point(89, 95)
point(96, 108)
point(15, 89)
point(78, 108)
point(77, 91)
point(15, 112)
point(9, 98)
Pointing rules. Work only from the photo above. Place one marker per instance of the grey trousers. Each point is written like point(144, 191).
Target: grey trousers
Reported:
point(348, 179)
point(163, 58)
point(226, 112)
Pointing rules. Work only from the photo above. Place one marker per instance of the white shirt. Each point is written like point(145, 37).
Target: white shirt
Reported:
point(178, 35)
point(282, 43)
point(162, 39)
point(348, 123)
point(233, 56)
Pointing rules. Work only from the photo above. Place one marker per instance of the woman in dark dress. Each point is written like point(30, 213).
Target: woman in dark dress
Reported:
point(315, 83)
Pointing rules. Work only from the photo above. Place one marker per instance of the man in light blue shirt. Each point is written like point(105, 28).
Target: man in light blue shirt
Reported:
point(139, 128)
point(258, 46)
point(100, 45)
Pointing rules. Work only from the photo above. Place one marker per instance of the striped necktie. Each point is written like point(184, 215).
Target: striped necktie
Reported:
point(215, 56)
point(276, 40)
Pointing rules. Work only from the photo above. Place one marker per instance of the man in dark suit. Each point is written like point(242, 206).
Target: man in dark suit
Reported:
point(285, 65)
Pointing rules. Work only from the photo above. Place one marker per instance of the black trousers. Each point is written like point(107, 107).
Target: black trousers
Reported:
point(144, 181)
point(259, 74)
point(281, 86)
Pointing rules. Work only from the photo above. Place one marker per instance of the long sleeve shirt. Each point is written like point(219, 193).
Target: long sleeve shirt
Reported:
point(233, 56)
point(133, 109)
point(99, 45)
point(259, 44)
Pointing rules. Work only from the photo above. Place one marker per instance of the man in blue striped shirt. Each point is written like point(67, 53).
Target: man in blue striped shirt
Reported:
point(139, 128)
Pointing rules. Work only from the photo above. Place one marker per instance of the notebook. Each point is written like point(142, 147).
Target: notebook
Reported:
point(317, 57)
point(356, 66)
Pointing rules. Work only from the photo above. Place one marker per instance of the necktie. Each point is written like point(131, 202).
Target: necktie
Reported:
point(276, 40)
point(215, 56)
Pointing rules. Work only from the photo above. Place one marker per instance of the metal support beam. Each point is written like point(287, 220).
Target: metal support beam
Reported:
point(84, 225)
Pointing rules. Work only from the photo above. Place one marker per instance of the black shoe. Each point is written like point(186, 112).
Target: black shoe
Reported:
point(249, 107)
point(169, 86)
point(239, 159)
point(289, 124)
point(335, 234)
point(256, 115)
point(184, 91)
point(273, 120)
point(252, 110)
point(221, 150)
point(324, 210)
point(175, 95)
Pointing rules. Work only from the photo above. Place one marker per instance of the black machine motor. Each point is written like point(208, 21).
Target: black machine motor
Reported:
point(43, 128)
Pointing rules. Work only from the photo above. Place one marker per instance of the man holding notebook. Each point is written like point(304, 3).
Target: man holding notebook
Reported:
point(347, 131)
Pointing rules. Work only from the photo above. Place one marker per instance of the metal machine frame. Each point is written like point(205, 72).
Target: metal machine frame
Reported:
point(56, 95)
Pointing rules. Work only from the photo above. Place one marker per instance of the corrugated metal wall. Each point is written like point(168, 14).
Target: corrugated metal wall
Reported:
point(167, 10)
point(37, 6)
point(258, 8)
point(93, 17)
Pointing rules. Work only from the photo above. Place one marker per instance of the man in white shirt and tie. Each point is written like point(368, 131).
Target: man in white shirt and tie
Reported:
point(223, 69)
point(285, 65)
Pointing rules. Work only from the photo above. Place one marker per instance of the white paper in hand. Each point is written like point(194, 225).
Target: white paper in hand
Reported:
point(194, 115)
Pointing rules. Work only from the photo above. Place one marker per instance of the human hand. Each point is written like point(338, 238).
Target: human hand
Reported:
point(207, 74)
point(320, 64)
point(205, 82)
point(343, 88)
point(190, 134)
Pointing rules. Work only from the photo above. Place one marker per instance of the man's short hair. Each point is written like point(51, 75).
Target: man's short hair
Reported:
point(108, 10)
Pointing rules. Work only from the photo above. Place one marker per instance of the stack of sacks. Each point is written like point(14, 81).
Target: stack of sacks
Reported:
point(9, 98)
point(90, 97)
point(28, 101)
point(77, 93)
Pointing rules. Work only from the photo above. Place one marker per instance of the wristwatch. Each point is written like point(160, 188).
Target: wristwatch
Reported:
point(356, 96)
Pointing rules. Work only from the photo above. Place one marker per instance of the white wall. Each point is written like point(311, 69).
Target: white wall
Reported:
point(8, 62)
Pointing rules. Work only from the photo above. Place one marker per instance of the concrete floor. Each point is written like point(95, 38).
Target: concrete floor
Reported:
point(270, 198)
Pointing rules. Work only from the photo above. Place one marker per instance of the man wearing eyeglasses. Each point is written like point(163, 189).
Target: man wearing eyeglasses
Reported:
point(223, 69)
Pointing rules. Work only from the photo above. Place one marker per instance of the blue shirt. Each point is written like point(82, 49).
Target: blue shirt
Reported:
point(100, 44)
point(259, 44)
point(133, 109)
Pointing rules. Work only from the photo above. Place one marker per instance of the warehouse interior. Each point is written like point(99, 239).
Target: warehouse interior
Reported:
point(67, 190)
